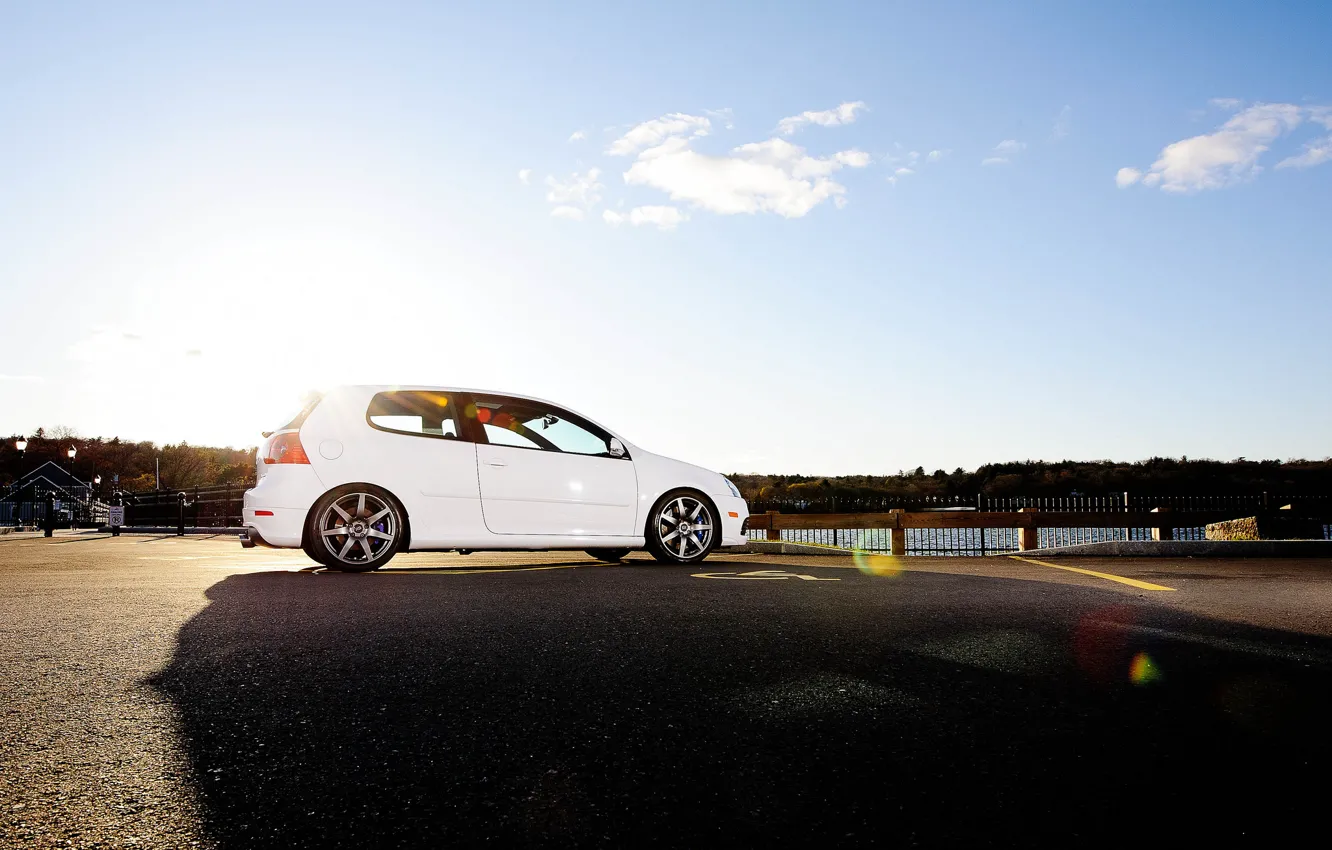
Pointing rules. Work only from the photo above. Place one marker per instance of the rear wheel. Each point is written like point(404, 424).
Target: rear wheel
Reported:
point(610, 556)
point(356, 528)
point(682, 528)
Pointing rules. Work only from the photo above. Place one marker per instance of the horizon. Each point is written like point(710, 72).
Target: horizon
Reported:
point(903, 471)
point(979, 232)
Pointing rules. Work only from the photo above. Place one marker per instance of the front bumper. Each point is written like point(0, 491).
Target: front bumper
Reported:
point(734, 515)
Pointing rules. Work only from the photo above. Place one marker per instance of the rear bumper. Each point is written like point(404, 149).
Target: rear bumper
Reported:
point(275, 527)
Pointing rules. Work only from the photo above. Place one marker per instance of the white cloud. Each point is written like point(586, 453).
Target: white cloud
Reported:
point(1229, 155)
point(580, 192)
point(654, 132)
point(20, 378)
point(665, 218)
point(525, 176)
point(901, 172)
point(844, 114)
point(1004, 152)
point(936, 155)
point(1318, 151)
point(577, 136)
point(725, 116)
point(1315, 153)
point(772, 176)
point(1230, 103)
point(1063, 123)
point(1127, 177)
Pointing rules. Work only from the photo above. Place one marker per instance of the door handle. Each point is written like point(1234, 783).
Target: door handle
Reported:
point(496, 462)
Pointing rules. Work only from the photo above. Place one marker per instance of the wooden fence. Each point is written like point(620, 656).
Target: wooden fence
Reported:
point(1028, 521)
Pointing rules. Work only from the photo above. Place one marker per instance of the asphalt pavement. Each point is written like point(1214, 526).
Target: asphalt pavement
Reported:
point(163, 692)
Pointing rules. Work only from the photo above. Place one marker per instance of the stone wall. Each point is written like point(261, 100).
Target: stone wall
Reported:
point(1266, 528)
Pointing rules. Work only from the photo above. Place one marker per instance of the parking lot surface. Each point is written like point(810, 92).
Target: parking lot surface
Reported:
point(164, 692)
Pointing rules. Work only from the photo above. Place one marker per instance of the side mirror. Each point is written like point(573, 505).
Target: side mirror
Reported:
point(616, 447)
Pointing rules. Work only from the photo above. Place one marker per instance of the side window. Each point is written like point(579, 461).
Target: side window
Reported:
point(423, 414)
point(529, 425)
point(497, 436)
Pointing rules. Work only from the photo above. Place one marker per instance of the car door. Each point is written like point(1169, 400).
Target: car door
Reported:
point(413, 448)
point(546, 471)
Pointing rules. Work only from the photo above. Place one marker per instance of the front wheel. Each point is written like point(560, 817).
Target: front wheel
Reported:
point(354, 529)
point(682, 528)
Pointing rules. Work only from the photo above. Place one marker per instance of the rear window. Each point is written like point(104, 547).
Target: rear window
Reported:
point(422, 414)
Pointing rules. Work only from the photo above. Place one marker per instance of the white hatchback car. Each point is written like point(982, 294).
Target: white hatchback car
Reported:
point(368, 471)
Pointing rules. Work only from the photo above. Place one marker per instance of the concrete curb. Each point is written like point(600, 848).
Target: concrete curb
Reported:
point(1190, 548)
point(781, 547)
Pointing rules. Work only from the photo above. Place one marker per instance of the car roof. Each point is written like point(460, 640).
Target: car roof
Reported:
point(389, 388)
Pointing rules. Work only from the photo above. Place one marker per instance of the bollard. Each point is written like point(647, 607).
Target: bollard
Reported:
point(180, 514)
point(49, 524)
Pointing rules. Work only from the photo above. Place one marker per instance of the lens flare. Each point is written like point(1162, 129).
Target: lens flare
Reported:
point(875, 564)
point(1143, 670)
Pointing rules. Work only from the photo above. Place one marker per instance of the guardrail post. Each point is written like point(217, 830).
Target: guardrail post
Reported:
point(898, 545)
point(1163, 532)
point(773, 532)
point(1029, 536)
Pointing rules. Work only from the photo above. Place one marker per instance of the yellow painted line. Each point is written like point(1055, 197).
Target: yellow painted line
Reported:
point(1131, 582)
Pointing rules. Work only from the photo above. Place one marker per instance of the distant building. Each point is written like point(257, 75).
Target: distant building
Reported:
point(24, 498)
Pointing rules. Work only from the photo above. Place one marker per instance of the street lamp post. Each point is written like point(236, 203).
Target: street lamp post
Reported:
point(72, 451)
point(22, 445)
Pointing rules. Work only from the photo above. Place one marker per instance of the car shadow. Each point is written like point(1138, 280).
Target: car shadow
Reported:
point(625, 707)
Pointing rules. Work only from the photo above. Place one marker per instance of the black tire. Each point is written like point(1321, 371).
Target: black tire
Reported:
point(610, 556)
point(376, 528)
point(664, 535)
point(307, 547)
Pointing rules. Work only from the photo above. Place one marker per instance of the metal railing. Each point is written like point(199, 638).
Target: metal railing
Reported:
point(842, 502)
point(30, 507)
point(197, 507)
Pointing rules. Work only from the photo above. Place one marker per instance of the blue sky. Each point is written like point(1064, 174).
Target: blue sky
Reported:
point(205, 212)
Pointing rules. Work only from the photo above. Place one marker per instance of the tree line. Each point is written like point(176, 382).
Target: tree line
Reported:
point(136, 463)
point(1158, 476)
point(183, 465)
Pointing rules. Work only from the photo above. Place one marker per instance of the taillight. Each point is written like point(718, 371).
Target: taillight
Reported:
point(287, 448)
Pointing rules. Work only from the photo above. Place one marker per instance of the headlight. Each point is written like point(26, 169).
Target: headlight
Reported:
point(735, 491)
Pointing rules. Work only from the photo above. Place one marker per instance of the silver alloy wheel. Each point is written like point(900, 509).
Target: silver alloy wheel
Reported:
point(684, 527)
point(358, 527)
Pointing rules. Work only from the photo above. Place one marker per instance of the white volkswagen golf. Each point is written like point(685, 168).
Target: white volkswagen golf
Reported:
point(368, 471)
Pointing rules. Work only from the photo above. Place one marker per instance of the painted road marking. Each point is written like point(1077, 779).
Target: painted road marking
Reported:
point(1131, 582)
point(762, 575)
